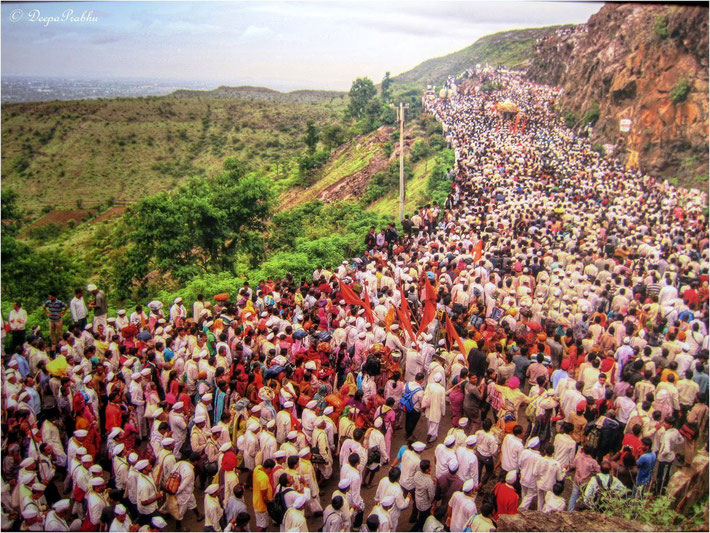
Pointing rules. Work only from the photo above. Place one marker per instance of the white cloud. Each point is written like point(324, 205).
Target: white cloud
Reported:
point(256, 32)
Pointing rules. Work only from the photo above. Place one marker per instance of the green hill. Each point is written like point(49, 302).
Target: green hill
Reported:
point(72, 153)
point(263, 94)
point(512, 49)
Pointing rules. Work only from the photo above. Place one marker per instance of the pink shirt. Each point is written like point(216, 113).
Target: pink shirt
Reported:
point(585, 466)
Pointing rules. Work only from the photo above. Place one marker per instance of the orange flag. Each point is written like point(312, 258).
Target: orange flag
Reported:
point(353, 299)
point(478, 251)
point(405, 316)
point(453, 336)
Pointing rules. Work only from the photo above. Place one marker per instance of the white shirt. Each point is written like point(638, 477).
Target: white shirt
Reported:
point(510, 453)
point(463, 508)
point(17, 319)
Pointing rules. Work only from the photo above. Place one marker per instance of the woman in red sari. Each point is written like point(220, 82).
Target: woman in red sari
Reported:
point(85, 419)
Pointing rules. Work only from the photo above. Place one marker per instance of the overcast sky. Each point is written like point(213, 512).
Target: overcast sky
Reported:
point(283, 45)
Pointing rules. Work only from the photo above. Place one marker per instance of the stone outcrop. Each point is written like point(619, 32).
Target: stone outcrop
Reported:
point(632, 61)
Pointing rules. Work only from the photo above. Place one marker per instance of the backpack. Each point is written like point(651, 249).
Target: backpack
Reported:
point(407, 399)
point(277, 507)
point(173, 483)
point(601, 491)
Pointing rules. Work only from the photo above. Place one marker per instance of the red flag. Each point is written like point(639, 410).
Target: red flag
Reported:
point(368, 309)
point(478, 251)
point(429, 314)
point(453, 335)
point(405, 315)
point(353, 299)
point(429, 292)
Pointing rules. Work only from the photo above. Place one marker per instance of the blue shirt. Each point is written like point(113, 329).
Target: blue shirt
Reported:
point(645, 463)
point(701, 378)
point(557, 375)
point(23, 366)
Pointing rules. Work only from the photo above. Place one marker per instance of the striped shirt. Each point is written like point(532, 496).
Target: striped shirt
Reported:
point(55, 309)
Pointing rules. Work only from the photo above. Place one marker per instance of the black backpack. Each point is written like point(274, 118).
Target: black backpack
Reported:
point(277, 507)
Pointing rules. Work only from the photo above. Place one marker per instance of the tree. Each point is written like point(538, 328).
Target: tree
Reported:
point(312, 136)
point(333, 136)
point(361, 92)
point(11, 214)
point(386, 84)
point(201, 226)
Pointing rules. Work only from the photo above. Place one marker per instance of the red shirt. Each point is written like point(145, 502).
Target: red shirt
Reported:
point(507, 500)
point(113, 416)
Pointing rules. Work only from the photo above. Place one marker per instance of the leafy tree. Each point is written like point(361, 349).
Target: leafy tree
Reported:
point(386, 87)
point(200, 227)
point(333, 135)
point(312, 136)
point(11, 214)
point(28, 275)
point(361, 93)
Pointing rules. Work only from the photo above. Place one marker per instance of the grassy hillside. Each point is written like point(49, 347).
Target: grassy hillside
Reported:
point(68, 154)
point(511, 49)
point(262, 94)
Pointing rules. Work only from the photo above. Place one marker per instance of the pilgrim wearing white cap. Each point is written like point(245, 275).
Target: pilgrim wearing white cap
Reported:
point(213, 508)
point(56, 517)
point(530, 461)
point(434, 401)
point(462, 507)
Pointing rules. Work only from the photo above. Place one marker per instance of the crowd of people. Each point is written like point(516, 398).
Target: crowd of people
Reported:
point(549, 324)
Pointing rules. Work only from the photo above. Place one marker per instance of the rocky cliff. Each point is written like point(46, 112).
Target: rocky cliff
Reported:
point(643, 62)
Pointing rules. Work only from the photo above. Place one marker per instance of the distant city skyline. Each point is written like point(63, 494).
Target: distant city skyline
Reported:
point(282, 45)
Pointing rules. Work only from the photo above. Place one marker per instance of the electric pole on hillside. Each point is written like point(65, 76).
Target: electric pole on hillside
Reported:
point(400, 116)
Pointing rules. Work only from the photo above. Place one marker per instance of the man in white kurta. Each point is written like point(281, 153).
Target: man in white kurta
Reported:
point(178, 426)
point(444, 453)
point(462, 506)
point(213, 508)
point(510, 450)
point(283, 422)
point(295, 519)
point(390, 487)
point(56, 518)
point(435, 401)
point(529, 459)
point(468, 461)
point(267, 441)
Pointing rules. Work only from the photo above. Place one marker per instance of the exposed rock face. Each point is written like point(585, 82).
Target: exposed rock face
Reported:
point(630, 60)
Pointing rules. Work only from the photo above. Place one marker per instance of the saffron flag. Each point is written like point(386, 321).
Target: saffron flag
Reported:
point(478, 251)
point(353, 299)
point(453, 336)
point(405, 316)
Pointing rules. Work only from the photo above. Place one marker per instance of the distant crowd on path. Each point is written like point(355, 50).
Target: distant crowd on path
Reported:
point(553, 313)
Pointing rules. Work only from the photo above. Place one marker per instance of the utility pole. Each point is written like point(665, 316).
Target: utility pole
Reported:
point(400, 116)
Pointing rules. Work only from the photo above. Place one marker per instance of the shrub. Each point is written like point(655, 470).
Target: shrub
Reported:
point(591, 115)
point(680, 92)
point(660, 27)
point(570, 119)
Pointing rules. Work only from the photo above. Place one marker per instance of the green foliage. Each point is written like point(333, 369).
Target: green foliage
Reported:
point(361, 94)
point(386, 94)
point(438, 183)
point(385, 181)
point(656, 510)
point(680, 91)
point(660, 27)
point(591, 115)
point(420, 150)
point(437, 142)
point(309, 163)
point(45, 232)
point(198, 228)
point(312, 137)
point(11, 214)
point(315, 234)
point(333, 135)
point(28, 275)
point(570, 119)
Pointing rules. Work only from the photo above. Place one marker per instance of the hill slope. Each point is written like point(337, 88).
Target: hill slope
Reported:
point(644, 62)
point(264, 94)
point(89, 151)
point(512, 49)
